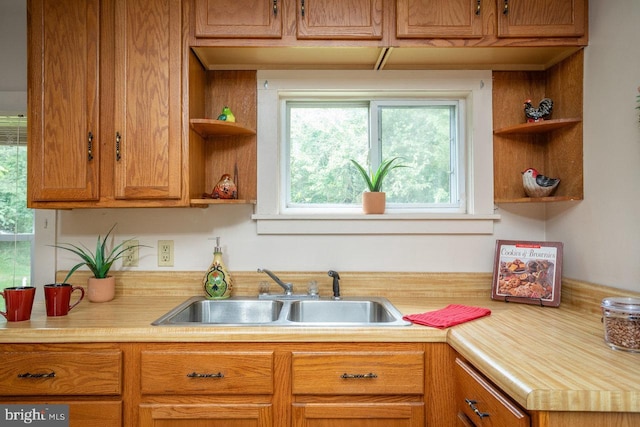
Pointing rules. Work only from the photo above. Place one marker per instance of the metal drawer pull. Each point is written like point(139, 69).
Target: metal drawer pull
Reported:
point(118, 142)
point(51, 374)
point(90, 146)
point(197, 375)
point(357, 376)
point(474, 408)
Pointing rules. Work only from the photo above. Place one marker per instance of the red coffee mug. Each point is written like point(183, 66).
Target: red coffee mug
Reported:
point(19, 302)
point(57, 297)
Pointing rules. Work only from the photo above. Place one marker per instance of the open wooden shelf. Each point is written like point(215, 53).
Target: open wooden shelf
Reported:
point(213, 127)
point(537, 127)
point(206, 202)
point(553, 147)
point(538, 199)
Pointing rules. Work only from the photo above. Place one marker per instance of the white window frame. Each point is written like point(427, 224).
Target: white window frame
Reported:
point(474, 86)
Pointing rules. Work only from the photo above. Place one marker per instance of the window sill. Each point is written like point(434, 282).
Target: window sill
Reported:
point(389, 223)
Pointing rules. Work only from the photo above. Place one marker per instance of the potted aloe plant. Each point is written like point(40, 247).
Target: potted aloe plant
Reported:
point(374, 200)
point(101, 287)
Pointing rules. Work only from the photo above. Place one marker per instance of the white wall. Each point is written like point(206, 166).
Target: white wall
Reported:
point(602, 232)
point(13, 57)
point(193, 229)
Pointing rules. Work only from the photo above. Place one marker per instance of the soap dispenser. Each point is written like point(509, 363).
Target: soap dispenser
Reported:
point(217, 282)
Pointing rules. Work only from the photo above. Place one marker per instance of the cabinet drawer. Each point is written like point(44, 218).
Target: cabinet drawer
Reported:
point(206, 372)
point(61, 373)
point(484, 404)
point(358, 372)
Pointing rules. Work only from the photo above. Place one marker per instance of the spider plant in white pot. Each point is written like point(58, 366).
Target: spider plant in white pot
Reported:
point(100, 287)
point(374, 200)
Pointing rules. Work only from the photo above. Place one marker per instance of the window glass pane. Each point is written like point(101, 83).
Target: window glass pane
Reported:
point(424, 137)
point(323, 135)
point(16, 221)
point(321, 140)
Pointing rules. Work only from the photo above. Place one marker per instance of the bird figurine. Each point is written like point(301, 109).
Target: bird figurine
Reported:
point(227, 115)
point(538, 185)
point(536, 114)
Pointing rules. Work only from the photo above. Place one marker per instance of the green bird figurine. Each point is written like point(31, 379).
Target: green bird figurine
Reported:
point(227, 115)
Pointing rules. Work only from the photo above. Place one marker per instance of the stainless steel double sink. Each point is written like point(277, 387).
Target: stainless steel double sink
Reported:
point(251, 311)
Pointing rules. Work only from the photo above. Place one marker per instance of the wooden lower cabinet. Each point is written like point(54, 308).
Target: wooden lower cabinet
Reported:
point(279, 385)
point(206, 415)
point(372, 414)
point(480, 404)
point(86, 377)
point(358, 385)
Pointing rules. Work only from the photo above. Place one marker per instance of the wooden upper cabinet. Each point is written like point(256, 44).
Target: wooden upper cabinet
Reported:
point(439, 19)
point(63, 154)
point(541, 18)
point(148, 139)
point(239, 18)
point(339, 19)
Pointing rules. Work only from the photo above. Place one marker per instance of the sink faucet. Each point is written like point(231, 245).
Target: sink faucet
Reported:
point(288, 287)
point(336, 283)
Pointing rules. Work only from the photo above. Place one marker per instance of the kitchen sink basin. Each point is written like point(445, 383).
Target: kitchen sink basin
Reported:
point(198, 310)
point(245, 311)
point(341, 311)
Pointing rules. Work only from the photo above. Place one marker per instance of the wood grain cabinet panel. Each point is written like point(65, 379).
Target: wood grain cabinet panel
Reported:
point(542, 18)
point(339, 19)
point(482, 404)
point(209, 415)
point(238, 18)
point(148, 99)
point(369, 372)
point(64, 114)
point(206, 372)
point(405, 414)
point(47, 373)
point(89, 379)
point(438, 19)
point(358, 387)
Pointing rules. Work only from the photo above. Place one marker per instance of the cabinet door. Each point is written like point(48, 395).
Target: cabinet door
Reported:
point(209, 415)
point(407, 414)
point(541, 18)
point(63, 153)
point(148, 99)
point(339, 19)
point(239, 18)
point(439, 19)
point(482, 403)
point(90, 413)
point(48, 373)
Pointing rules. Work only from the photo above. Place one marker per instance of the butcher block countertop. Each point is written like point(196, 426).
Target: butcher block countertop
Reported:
point(547, 359)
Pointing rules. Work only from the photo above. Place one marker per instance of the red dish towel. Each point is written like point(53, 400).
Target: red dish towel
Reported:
point(451, 315)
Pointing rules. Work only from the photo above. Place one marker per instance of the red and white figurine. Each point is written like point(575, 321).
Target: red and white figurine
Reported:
point(538, 185)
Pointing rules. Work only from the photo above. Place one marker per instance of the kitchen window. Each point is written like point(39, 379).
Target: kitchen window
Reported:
point(321, 135)
point(310, 123)
point(16, 221)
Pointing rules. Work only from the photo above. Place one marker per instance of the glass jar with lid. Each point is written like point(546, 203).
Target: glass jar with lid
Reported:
point(621, 319)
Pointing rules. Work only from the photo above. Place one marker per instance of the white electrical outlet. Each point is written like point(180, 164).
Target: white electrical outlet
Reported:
point(165, 253)
point(130, 258)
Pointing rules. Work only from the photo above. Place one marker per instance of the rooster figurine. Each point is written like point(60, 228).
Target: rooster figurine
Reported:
point(538, 185)
point(543, 110)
